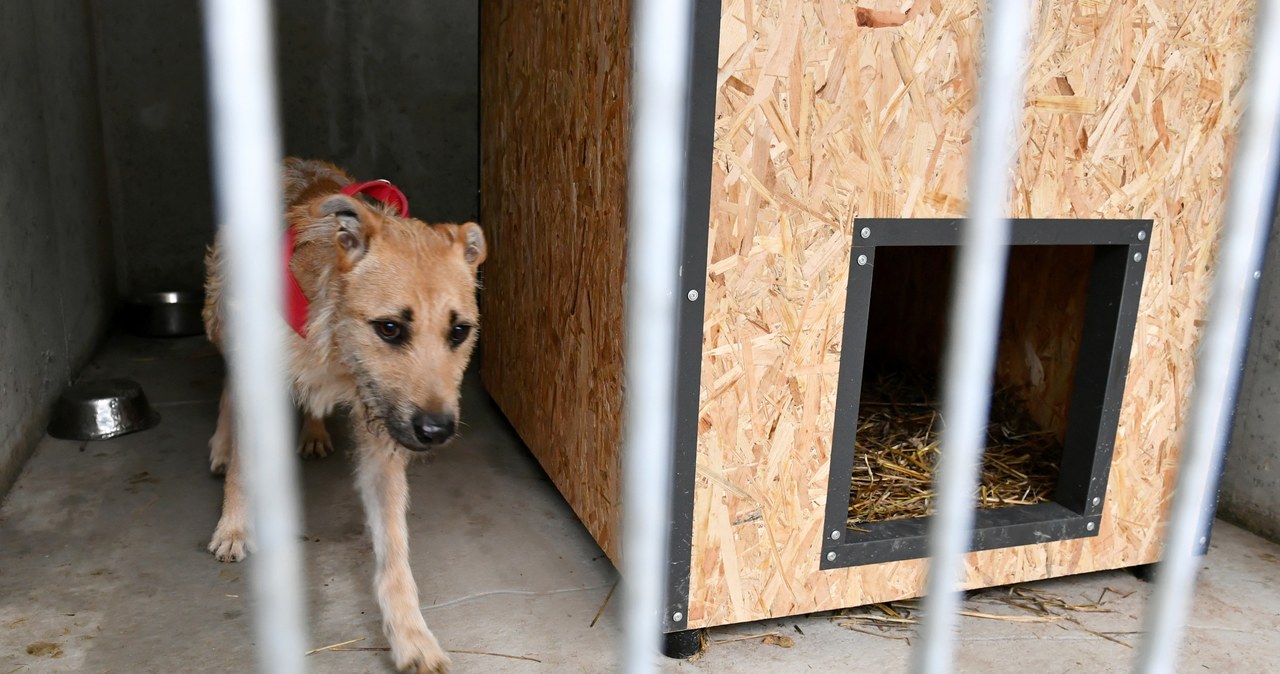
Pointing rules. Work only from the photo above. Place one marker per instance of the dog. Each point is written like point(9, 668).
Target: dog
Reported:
point(388, 322)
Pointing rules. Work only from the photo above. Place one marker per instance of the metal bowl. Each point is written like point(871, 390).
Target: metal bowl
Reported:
point(101, 409)
point(165, 314)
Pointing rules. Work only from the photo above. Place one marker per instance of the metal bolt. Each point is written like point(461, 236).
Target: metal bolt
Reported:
point(677, 617)
point(1137, 257)
point(831, 556)
point(693, 296)
point(1090, 526)
point(1257, 274)
point(1142, 236)
point(862, 260)
point(835, 535)
point(1096, 500)
point(1203, 540)
point(866, 232)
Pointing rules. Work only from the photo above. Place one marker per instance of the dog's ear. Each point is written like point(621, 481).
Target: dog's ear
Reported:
point(471, 239)
point(356, 226)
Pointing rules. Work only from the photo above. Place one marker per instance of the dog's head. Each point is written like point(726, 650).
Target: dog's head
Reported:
point(403, 316)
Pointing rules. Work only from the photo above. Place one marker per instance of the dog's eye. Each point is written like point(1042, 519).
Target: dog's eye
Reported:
point(391, 332)
point(458, 334)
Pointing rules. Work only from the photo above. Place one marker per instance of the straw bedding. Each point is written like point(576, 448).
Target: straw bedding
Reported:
point(897, 449)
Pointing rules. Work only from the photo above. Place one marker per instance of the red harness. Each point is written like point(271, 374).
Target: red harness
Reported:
point(295, 302)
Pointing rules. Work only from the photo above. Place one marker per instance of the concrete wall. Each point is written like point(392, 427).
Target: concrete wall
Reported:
point(56, 285)
point(1249, 493)
point(382, 88)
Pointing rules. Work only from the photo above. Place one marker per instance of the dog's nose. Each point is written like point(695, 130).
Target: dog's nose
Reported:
point(433, 429)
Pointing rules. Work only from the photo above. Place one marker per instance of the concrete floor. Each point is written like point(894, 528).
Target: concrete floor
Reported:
point(103, 568)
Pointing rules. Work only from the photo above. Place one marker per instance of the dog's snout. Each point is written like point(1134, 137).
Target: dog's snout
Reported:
point(433, 429)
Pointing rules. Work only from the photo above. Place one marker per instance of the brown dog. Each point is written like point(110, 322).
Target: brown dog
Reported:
point(389, 329)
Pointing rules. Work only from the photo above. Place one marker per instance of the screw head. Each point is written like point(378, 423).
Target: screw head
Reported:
point(866, 232)
point(1257, 274)
point(1096, 500)
point(862, 260)
point(1137, 257)
point(1142, 236)
point(831, 556)
point(677, 617)
point(1090, 526)
point(693, 296)
point(835, 535)
point(1203, 540)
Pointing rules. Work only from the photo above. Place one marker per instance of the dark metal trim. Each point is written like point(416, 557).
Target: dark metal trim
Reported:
point(700, 137)
point(1115, 288)
point(898, 540)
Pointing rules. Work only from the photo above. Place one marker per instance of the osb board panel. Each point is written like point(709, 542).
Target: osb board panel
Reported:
point(554, 79)
point(820, 120)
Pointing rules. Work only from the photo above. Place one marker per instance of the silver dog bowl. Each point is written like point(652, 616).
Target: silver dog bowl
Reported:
point(167, 314)
point(101, 409)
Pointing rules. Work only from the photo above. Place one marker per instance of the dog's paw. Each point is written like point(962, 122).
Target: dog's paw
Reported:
point(229, 544)
point(217, 464)
point(315, 447)
point(314, 442)
point(416, 651)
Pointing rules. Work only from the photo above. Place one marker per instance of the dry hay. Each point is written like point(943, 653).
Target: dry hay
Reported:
point(896, 450)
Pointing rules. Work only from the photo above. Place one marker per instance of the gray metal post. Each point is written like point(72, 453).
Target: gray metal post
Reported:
point(975, 319)
point(656, 201)
point(1249, 200)
point(246, 153)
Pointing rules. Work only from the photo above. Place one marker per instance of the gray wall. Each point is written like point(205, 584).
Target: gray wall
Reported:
point(56, 285)
point(1249, 493)
point(382, 88)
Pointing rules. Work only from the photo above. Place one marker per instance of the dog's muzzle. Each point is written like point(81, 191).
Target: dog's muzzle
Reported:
point(433, 429)
point(426, 430)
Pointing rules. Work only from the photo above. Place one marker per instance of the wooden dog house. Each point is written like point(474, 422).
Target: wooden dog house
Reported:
point(827, 171)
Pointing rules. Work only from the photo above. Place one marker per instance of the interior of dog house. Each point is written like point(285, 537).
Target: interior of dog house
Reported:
point(825, 183)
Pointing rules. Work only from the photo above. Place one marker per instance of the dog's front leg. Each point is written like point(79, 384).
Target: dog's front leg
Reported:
point(385, 491)
point(230, 541)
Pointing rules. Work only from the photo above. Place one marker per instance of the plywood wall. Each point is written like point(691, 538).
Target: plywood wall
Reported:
point(554, 84)
point(827, 112)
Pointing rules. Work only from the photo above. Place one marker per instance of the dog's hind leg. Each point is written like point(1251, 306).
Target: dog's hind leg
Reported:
point(231, 538)
point(313, 439)
point(380, 475)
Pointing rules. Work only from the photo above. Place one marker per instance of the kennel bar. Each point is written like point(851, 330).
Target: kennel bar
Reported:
point(809, 120)
point(974, 326)
point(246, 150)
point(1250, 199)
point(656, 187)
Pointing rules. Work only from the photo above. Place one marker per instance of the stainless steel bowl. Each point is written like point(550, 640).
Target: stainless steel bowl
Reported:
point(165, 314)
point(101, 409)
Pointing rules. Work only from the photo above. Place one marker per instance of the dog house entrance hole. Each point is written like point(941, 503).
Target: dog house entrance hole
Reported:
point(1066, 325)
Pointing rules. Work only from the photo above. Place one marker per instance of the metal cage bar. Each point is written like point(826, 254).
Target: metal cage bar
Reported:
point(656, 203)
point(974, 326)
point(1250, 195)
point(246, 157)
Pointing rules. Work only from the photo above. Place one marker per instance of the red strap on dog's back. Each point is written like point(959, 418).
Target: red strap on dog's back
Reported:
point(295, 302)
point(383, 191)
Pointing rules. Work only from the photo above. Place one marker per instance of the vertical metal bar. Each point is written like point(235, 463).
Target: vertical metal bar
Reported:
point(656, 198)
point(1249, 198)
point(246, 152)
point(974, 321)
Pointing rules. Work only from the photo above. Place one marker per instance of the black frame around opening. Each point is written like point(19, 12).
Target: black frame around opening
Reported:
point(1111, 311)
